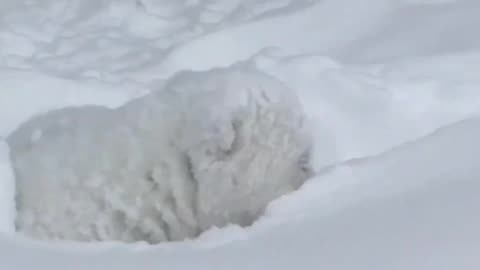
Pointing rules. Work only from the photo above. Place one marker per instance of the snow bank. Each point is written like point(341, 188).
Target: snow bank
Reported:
point(382, 105)
point(210, 149)
point(410, 208)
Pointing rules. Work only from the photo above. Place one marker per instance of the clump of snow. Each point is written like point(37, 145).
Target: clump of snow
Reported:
point(211, 148)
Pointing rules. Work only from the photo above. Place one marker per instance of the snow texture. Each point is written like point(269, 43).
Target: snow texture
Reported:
point(7, 190)
point(387, 86)
point(210, 149)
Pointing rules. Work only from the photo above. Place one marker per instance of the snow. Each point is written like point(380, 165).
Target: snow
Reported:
point(387, 86)
point(395, 210)
point(237, 43)
point(7, 191)
point(383, 105)
point(37, 93)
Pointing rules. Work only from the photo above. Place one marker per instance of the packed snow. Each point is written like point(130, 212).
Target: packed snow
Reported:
point(389, 87)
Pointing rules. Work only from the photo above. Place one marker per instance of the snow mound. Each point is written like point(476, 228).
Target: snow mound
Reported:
point(211, 148)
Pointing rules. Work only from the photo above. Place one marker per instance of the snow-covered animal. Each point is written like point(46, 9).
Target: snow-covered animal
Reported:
point(208, 149)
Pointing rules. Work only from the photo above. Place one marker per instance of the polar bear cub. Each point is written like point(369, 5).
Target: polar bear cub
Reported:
point(208, 149)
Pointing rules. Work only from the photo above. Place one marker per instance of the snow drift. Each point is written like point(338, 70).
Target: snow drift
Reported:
point(211, 148)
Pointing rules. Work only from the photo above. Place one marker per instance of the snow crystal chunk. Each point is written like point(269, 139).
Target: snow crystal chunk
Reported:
point(210, 149)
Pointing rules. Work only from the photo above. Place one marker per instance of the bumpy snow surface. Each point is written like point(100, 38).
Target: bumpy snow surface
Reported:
point(210, 149)
point(390, 88)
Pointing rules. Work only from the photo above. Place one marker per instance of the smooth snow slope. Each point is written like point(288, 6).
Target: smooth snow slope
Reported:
point(372, 76)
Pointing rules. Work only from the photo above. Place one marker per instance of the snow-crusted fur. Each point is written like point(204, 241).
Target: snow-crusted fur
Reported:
point(209, 149)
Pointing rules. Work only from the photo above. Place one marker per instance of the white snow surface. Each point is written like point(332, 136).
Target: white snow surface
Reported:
point(390, 87)
point(7, 192)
